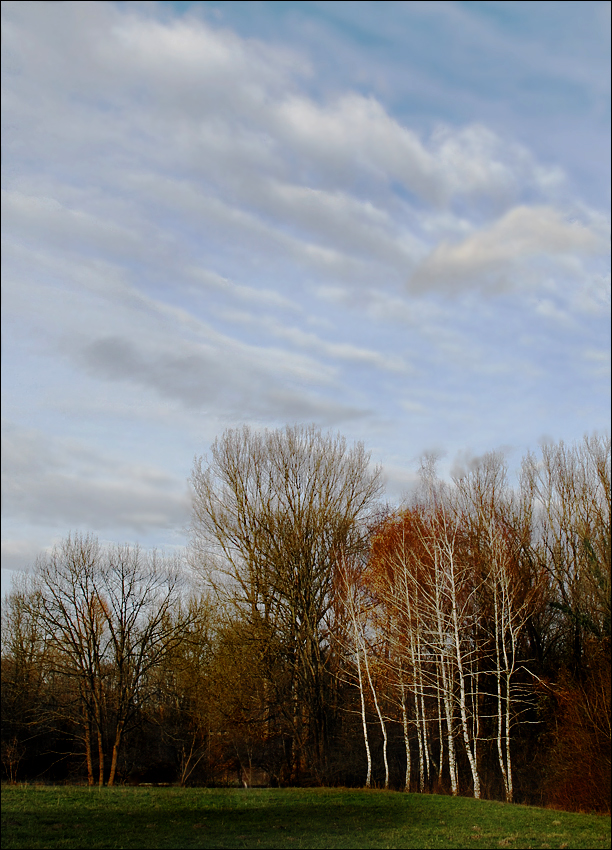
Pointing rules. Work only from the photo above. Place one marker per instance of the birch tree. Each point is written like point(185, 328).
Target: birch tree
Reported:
point(459, 590)
point(351, 607)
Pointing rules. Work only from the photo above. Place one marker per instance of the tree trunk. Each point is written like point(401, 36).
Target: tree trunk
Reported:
point(113, 767)
point(100, 758)
point(363, 718)
point(406, 738)
point(447, 682)
point(462, 694)
point(421, 692)
point(379, 712)
point(90, 773)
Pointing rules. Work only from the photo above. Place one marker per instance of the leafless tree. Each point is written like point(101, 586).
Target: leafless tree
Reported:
point(25, 659)
point(107, 617)
point(354, 645)
point(271, 512)
point(570, 487)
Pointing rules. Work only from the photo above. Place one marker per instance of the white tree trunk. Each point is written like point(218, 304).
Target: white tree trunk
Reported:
point(381, 719)
point(421, 694)
point(461, 676)
point(447, 680)
point(363, 718)
point(405, 728)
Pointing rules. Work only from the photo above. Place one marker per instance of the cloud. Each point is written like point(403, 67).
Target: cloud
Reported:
point(400, 482)
point(127, 51)
point(18, 555)
point(109, 330)
point(263, 298)
point(491, 256)
point(202, 229)
point(245, 381)
point(192, 117)
point(356, 134)
point(333, 352)
point(598, 362)
point(46, 219)
point(66, 483)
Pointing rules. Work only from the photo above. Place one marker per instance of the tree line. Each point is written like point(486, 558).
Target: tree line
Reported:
point(311, 634)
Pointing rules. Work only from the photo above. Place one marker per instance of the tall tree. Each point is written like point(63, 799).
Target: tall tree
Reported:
point(571, 489)
point(272, 510)
point(497, 527)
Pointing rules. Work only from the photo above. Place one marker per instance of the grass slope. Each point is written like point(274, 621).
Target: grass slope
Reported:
point(65, 817)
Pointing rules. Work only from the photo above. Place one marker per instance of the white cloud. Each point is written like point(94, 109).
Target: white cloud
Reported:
point(356, 134)
point(264, 298)
point(202, 229)
point(18, 555)
point(491, 255)
point(400, 482)
point(63, 482)
point(46, 219)
point(108, 329)
point(598, 361)
point(184, 95)
point(332, 352)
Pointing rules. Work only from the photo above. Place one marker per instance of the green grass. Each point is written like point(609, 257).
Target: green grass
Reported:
point(74, 817)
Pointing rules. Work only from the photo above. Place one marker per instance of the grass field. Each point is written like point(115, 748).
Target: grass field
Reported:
point(75, 817)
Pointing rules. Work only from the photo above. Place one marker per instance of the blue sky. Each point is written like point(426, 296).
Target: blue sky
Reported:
point(390, 219)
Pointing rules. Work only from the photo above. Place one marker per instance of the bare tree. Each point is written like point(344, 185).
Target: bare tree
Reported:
point(354, 648)
point(271, 512)
point(73, 621)
point(106, 614)
point(570, 489)
point(570, 486)
point(139, 595)
point(24, 666)
point(187, 697)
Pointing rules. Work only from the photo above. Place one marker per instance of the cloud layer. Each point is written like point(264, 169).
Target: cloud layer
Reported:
point(206, 225)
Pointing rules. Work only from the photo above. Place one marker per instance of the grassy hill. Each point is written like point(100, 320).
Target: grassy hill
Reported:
point(76, 817)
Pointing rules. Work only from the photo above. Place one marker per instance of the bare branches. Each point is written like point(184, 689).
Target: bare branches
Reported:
point(271, 512)
point(108, 617)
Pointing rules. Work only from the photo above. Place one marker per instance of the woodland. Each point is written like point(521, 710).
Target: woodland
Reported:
point(313, 635)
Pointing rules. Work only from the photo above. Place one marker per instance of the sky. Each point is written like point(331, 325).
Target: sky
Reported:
point(390, 219)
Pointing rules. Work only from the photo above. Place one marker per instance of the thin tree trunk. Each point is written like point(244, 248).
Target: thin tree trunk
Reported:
point(440, 729)
point(380, 717)
point(509, 795)
point(498, 676)
point(462, 693)
point(504, 627)
point(413, 626)
point(423, 713)
point(509, 665)
point(113, 767)
point(90, 773)
point(100, 758)
point(406, 737)
point(420, 742)
point(475, 677)
point(452, 756)
point(363, 720)
point(447, 683)
point(351, 609)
